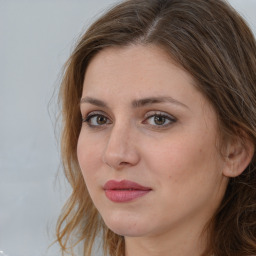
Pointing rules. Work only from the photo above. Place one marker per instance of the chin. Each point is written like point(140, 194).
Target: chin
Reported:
point(127, 231)
point(126, 225)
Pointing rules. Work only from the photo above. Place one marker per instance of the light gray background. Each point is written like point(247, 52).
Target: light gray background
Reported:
point(36, 37)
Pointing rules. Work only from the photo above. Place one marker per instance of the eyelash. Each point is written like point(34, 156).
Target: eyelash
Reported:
point(91, 115)
point(153, 114)
point(156, 114)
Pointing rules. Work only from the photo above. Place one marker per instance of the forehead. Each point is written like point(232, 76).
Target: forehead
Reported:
point(134, 68)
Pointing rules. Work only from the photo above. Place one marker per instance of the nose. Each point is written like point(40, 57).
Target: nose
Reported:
point(121, 150)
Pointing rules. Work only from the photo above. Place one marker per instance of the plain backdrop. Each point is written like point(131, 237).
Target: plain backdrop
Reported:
point(36, 37)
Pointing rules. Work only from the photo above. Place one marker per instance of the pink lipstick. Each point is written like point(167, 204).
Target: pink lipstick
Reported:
point(124, 191)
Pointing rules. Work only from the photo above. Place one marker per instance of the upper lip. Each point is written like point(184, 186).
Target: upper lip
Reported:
point(124, 185)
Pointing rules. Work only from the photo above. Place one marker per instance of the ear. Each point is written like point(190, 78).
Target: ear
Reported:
point(239, 153)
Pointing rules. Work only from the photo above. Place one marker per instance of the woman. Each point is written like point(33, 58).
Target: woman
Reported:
point(159, 132)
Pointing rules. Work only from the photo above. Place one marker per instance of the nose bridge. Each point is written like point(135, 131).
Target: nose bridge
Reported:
point(120, 149)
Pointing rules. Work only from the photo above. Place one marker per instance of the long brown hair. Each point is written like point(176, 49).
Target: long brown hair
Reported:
point(210, 41)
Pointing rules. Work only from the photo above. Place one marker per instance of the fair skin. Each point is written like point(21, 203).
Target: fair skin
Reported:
point(169, 145)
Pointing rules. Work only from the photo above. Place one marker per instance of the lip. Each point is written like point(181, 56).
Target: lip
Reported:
point(124, 190)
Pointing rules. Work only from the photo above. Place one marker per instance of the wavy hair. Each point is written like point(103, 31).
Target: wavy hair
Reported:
point(208, 39)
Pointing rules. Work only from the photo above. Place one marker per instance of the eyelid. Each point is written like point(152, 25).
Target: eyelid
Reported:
point(160, 113)
point(95, 112)
point(86, 118)
point(170, 120)
point(150, 114)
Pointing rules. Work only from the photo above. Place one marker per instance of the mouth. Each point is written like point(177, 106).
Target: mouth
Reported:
point(124, 191)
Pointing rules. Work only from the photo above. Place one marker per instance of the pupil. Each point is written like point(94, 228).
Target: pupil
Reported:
point(159, 120)
point(101, 120)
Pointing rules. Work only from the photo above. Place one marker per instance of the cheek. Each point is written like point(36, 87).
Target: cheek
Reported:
point(89, 155)
point(181, 159)
point(186, 175)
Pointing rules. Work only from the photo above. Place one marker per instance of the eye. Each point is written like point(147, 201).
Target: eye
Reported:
point(159, 119)
point(96, 120)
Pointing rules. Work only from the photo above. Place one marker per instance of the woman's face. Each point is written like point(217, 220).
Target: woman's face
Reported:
point(148, 144)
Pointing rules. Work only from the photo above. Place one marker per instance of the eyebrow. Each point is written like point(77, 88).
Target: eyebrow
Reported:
point(93, 101)
point(136, 103)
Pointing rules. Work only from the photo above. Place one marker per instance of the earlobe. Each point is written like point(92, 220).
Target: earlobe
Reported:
point(239, 155)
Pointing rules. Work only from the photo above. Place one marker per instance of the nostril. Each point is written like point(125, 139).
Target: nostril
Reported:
point(124, 163)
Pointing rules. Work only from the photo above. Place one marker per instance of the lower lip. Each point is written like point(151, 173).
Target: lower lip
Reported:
point(121, 196)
